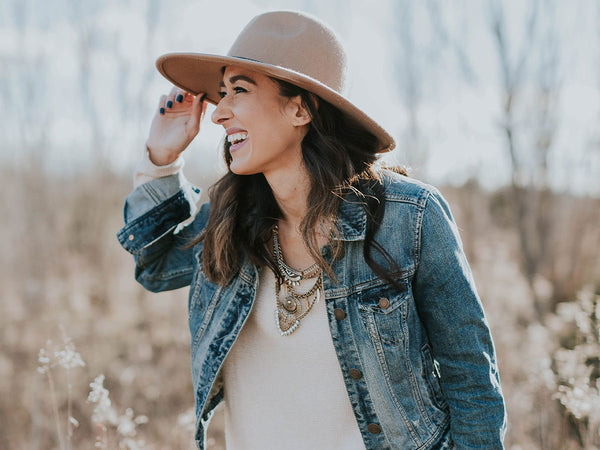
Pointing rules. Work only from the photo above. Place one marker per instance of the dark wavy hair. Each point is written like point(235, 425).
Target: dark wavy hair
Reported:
point(338, 155)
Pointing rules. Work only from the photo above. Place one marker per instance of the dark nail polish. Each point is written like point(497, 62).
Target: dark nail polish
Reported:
point(179, 98)
point(162, 110)
point(169, 104)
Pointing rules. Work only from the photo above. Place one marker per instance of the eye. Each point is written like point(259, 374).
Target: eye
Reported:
point(236, 89)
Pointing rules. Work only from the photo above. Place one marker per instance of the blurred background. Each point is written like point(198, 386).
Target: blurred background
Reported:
point(495, 102)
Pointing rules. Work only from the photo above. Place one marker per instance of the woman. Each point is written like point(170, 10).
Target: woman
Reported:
point(331, 305)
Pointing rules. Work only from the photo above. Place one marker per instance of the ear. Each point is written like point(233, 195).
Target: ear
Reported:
point(299, 115)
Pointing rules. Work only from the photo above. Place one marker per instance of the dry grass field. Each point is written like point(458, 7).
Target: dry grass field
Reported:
point(67, 287)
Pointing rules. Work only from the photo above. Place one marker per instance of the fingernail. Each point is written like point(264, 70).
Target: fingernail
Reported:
point(162, 110)
point(179, 98)
point(169, 104)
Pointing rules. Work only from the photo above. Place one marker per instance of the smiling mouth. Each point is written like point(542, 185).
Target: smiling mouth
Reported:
point(235, 144)
point(237, 138)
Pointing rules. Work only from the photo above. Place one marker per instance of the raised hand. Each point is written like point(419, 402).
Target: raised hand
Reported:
point(175, 124)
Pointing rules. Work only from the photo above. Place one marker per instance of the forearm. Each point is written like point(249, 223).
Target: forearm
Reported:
point(154, 213)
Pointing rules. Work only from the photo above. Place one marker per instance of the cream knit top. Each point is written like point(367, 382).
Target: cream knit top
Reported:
point(286, 392)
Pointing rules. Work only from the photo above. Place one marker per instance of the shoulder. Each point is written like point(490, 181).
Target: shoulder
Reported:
point(402, 189)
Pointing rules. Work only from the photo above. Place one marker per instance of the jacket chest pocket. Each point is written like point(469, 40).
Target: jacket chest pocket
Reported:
point(384, 314)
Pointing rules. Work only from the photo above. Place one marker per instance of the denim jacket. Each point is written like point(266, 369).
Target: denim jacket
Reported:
point(426, 360)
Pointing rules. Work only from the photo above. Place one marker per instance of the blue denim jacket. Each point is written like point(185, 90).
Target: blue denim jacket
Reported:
point(428, 372)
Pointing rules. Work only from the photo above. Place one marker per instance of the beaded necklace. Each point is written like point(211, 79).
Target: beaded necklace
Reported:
point(295, 306)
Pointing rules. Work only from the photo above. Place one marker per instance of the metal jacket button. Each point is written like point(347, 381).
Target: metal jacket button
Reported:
point(355, 374)
point(131, 237)
point(384, 303)
point(339, 313)
point(374, 428)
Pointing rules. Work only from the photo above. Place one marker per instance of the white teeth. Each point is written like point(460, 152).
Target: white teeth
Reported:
point(232, 138)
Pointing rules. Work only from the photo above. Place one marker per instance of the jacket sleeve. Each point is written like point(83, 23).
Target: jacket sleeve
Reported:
point(451, 311)
point(160, 220)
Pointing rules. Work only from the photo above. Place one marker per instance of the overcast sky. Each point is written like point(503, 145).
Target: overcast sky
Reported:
point(450, 59)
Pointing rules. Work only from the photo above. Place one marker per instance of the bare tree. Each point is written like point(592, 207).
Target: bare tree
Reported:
point(551, 228)
point(408, 71)
point(528, 188)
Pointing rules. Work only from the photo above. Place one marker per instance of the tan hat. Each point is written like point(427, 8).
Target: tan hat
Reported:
point(287, 45)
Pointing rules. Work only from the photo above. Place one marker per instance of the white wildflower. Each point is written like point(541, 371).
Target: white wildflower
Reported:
point(140, 420)
point(578, 383)
point(68, 358)
point(128, 423)
point(103, 413)
point(126, 426)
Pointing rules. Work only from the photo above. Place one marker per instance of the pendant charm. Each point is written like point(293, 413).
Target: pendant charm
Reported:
point(290, 304)
point(290, 329)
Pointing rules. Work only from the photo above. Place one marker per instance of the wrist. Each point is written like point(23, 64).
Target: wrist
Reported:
point(161, 160)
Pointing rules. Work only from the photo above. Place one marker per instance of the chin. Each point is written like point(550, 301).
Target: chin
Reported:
point(240, 169)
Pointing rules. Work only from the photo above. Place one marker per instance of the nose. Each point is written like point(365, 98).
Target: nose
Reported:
point(222, 112)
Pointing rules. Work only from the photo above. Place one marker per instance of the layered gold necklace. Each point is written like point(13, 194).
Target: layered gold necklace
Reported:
point(295, 306)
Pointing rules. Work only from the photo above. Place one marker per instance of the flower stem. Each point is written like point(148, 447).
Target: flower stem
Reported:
point(55, 409)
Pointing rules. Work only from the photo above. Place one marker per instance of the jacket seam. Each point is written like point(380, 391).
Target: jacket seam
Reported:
point(419, 231)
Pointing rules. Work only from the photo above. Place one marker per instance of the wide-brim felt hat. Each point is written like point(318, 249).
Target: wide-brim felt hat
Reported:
point(287, 45)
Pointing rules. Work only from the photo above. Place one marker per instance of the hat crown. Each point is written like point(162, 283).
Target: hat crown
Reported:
point(297, 42)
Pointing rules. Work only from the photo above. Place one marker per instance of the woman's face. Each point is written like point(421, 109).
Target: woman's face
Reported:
point(266, 128)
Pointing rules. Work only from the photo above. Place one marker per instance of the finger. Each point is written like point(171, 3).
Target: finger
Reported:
point(180, 95)
point(161, 104)
point(174, 91)
point(171, 98)
point(176, 95)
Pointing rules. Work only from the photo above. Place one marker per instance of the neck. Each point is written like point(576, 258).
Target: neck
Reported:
point(290, 189)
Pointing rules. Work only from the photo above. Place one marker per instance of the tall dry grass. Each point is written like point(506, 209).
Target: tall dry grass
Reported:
point(63, 269)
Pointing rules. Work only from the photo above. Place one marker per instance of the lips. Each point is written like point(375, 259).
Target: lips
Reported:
point(236, 137)
point(237, 145)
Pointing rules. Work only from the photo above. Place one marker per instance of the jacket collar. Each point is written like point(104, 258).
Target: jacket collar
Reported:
point(352, 218)
point(351, 223)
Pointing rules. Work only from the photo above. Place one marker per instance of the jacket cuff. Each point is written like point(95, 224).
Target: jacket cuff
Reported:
point(146, 170)
point(151, 194)
point(147, 228)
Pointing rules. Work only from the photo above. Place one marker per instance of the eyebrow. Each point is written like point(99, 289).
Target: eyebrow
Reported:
point(237, 78)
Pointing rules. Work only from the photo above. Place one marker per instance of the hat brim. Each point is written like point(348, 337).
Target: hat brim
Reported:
point(200, 72)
